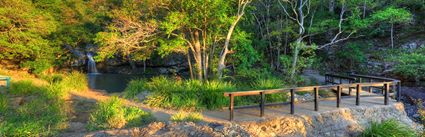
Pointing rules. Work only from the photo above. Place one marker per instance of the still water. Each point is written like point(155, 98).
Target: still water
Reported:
point(111, 82)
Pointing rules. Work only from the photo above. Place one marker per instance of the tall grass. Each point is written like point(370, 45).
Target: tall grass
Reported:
point(388, 128)
point(41, 114)
point(112, 114)
point(186, 94)
point(43, 111)
point(194, 94)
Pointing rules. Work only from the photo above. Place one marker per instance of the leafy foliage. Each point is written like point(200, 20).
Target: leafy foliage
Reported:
point(411, 65)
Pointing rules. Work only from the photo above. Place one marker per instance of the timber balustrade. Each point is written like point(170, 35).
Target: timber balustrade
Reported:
point(373, 82)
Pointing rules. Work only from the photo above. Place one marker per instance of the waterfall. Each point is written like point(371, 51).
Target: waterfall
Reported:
point(91, 64)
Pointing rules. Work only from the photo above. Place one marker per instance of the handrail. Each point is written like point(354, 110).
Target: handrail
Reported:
point(374, 77)
point(339, 87)
point(330, 78)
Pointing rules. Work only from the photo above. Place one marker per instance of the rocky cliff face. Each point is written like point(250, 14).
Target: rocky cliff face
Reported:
point(341, 122)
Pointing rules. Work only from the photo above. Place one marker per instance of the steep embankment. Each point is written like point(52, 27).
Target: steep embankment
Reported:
point(338, 122)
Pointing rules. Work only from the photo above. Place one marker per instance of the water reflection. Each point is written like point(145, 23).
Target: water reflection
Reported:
point(111, 82)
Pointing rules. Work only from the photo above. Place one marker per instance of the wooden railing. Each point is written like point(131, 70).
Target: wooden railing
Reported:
point(339, 87)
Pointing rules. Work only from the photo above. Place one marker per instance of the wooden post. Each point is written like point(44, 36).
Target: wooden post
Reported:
point(262, 104)
point(387, 86)
point(349, 88)
point(338, 96)
point(316, 99)
point(358, 88)
point(370, 87)
point(398, 91)
point(292, 101)
point(231, 108)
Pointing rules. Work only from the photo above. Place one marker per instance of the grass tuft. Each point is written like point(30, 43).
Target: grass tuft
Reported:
point(388, 128)
point(186, 117)
point(112, 114)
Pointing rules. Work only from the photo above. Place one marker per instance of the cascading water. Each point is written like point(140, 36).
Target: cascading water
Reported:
point(91, 64)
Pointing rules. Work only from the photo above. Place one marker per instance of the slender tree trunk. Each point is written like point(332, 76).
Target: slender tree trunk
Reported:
point(295, 58)
point(332, 6)
point(190, 65)
point(392, 35)
point(221, 62)
point(364, 9)
point(299, 40)
point(144, 65)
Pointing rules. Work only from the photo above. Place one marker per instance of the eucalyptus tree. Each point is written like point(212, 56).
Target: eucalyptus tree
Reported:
point(241, 11)
point(200, 27)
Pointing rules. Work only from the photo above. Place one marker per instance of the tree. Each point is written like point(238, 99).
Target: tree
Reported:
point(392, 16)
point(129, 34)
point(24, 31)
point(197, 26)
point(241, 11)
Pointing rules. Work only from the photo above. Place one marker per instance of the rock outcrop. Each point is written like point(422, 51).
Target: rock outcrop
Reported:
point(340, 122)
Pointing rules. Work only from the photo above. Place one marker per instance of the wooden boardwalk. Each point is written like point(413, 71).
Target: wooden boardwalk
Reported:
point(305, 108)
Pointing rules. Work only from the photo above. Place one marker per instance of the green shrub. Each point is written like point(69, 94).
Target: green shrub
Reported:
point(38, 66)
point(411, 66)
point(186, 116)
point(388, 128)
point(136, 117)
point(75, 81)
point(134, 87)
point(108, 114)
point(23, 87)
point(112, 114)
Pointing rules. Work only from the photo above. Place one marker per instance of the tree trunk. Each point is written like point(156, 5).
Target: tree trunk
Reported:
point(295, 59)
point(221, 62)
point(332, 6)
point(198, 55)
point(190, 65)
point(364, 9)
point(392, 35)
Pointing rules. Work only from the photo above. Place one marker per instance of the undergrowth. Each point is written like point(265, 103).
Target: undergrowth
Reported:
point(194, 94)
point(111, 114)
point(36, 107)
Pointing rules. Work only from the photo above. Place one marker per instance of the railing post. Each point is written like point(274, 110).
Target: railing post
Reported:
point(370, 87)
point(387, 86)
point(292, 101)
point(358, 88)
point(398, 91)
point(231, 106)
point(316, 99)
point(360, 80)
point(262, 104)
point(338, 96)
point(349, 88)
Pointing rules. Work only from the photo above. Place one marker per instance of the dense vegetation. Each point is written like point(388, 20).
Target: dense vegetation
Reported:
point(213, 35)
point(225, 45)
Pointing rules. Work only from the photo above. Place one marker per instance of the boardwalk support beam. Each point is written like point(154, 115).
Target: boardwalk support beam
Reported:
point(316, 99)
point(262, 104)
point(292, 101)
